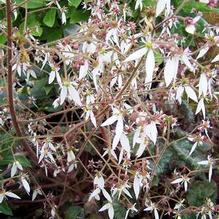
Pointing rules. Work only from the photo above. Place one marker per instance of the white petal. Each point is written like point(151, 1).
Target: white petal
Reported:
point(2, 196)
point(127, 193)
point(83, 70)
point(137, 184)
point(203, 85)
point(93, 119)
point(136, 55)
point(125, 143)
point(170, 70)
point(105, 207)
point(141, 149)
point(186, 61)
point(13, 169)
point(25, 185)
point(179, 180)
point(12, 195)
point(63, 94)
point(193, 148)
point(190, 28)
point(151, 131)
point(51, 77)
point(110, 120)
point(111, 212)
point(160, 7)
point(156, 215)
point(107, 195)
point(121, 156)
point(136, 137)
point(94, 193)
point(74, 95)
point(216, 58)
point(149, 66)
point(202, 52)
point(191, 93)
point(210, 173)
point(201, 107)
point(179, 94)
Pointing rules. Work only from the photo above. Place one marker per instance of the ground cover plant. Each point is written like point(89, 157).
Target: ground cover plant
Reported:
point(109, 109)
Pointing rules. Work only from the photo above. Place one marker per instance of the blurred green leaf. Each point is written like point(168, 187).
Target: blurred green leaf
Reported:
point(3, 39)
point(49, 18)
point(199, 191)
point(5, 209)
point(74, 212)
point(77, 15)
point(74, 3)
point(31, 4)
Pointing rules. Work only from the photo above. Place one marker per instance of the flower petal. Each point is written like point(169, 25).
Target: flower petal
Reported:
point(136, 55)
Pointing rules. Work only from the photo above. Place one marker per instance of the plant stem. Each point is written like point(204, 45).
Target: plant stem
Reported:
point(10, 84)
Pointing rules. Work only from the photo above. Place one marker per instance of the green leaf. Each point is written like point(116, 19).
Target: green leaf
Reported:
point(31, 4)
point(49, 18)
point(33, 24)
point(199, 191)
point(74, 3)
point(3, 39)
point(120, 211)
point(23, 161)
point(74, 212)
point(5, 209)
point(77, 15)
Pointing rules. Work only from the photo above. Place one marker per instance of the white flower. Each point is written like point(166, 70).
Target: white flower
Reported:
point(162, 5)
point(117, 116)
point(189, 91)
point(150, 60)
point(172, 64)
point(131, 208)
point(209, 162)
point(99, 181)
point(110, 151)
point(184, 180)
point(109, 207)
point(54, 74)
point(90, 114)
point(35, 193)
point(4, 194)
point(16, 165)
point(153, 208)
point(190, 27)
point(69, 92)
point(121, 189)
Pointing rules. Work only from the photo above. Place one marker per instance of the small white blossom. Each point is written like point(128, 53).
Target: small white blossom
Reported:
point(209, 162)
point(152, 207)
point(4, 194)
point(184, 180)
point(16, 165)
